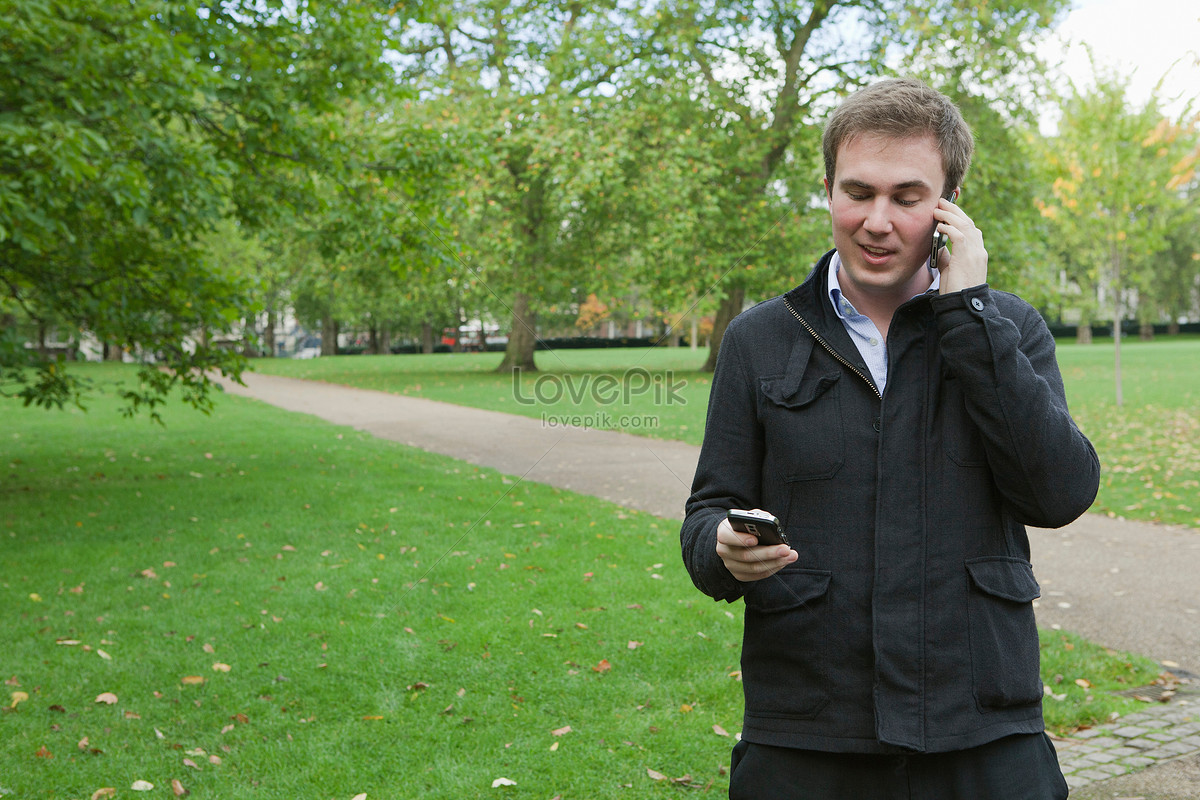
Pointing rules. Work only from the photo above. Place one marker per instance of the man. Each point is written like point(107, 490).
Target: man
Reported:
point(904, 423)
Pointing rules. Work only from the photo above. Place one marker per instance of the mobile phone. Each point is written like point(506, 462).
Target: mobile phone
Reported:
point(939, 240)
point(758, 523)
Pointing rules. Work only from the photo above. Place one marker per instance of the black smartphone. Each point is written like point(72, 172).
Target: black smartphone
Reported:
point(939, 241)
point(759, 523)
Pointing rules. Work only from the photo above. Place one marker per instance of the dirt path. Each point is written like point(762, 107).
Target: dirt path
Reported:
point(1127, 585)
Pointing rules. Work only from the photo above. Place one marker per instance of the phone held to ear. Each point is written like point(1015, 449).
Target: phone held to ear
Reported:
point(758, 523)
point(939, 240)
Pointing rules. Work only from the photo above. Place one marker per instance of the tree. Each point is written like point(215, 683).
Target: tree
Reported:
point(533, 80)
point(128, 131)
point(1118, 174)
point(764, 75)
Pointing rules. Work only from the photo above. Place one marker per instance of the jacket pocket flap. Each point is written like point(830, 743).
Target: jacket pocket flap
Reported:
point(782, 392)
point(1006, 578)
point(787, 589)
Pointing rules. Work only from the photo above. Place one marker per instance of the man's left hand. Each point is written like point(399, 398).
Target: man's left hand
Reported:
point(966, 266)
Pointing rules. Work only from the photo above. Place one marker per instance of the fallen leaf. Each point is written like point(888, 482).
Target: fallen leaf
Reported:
point(360, 796)
point(561, 731)
point(603, 666)
point(208, 648)
point(719, 731)
point(107, 791)
point(655, 775)
point(214, 760)
point(685, 708)
point(142, 786)
point(496, 784)
point(178, 789)
point(187, 762)
point(104, 655)
point(192, 680)
point(106, 697)
point(554, 747)
point(1083, 683)
point(83, 743)
point(18, 697)
point(633, 645)
point(44, 753)
point(219, 667)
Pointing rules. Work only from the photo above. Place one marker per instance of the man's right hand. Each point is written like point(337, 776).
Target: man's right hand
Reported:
point(745, 559)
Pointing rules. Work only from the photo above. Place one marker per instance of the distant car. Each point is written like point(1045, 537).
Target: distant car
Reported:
point(307, 352)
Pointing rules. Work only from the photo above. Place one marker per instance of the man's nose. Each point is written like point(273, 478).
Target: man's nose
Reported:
point(879, 218)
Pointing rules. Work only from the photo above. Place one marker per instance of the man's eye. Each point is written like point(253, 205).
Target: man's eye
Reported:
point(853, 196)
point(907, 203)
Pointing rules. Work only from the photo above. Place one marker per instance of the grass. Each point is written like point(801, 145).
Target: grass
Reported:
point(285, 608)
point(1149, 448)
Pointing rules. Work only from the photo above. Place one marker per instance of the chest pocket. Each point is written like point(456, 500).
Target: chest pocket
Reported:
point(803, 425)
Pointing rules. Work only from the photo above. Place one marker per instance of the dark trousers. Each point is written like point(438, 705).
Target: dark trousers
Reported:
point(1023, 767)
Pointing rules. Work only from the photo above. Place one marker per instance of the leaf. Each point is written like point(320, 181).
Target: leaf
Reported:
point(107, 791)
point(561, 731)
point(496, 784)
point(360, 796)
point(18, 697)
point(177, 788)
point(106, 697)
point(1083, 683)
point(719, 731)
point(192, 680)
point(142, 786)
point(220, 667)
point(44, 753)
point(603, 666)
point(187, 762)
point(655, 775)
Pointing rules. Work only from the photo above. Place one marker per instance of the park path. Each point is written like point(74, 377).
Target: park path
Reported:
point(1128, 585)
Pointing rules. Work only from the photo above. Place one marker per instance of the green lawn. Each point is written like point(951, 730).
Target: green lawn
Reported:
point(1149, 448)
point(282, 608)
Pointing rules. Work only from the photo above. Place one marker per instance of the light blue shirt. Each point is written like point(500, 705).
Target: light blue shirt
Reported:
point(862, 331)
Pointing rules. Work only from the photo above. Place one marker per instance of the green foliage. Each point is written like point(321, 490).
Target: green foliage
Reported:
point(127, 133)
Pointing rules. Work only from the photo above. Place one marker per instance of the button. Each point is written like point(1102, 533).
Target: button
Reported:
point(976, 304)
point(877, 425)
point(874, 342)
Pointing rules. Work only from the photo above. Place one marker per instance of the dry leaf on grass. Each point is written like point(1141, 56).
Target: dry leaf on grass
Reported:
point(106, 697)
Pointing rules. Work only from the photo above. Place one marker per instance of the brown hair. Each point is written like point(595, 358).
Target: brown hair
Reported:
point(902, 108)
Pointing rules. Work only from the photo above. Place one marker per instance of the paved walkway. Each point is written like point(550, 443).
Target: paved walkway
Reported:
point(1130, 586)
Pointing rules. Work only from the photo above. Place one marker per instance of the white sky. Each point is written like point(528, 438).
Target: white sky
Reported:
point(1140, 38)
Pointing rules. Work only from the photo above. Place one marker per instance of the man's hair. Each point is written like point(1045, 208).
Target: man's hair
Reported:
point(902, 108)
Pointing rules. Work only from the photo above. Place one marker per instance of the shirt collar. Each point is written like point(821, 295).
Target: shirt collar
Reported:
point(842, 307)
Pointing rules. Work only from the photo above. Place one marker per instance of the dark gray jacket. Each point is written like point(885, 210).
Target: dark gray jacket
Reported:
point(907, 621)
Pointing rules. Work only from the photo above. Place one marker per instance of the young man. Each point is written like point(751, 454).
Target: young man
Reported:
point(905, 423)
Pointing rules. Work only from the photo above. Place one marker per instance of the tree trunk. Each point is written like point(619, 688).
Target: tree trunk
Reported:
point(269, 336)
point(385, 341)
point(248, 335)
point(373, 340)
point(730, 307)
point(329, 335)
point(426, 337)
point(1146, 332)
point(1083, 334)
point(518, 355)
point(1173, 328)
point(113, 352)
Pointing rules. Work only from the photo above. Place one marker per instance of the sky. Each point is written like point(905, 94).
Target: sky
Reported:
point(1140, 38)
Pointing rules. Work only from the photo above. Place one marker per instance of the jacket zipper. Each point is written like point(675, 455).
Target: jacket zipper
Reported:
point(829, 348)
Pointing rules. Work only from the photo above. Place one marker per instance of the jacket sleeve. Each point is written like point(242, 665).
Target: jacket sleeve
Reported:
point(1041, 462)
point(728, 474)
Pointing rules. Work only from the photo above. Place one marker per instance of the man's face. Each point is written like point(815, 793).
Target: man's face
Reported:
point(881, 202)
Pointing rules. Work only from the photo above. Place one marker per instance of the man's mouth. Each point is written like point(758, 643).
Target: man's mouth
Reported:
point(875, 255)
